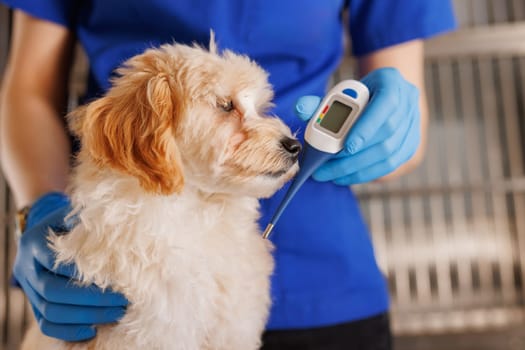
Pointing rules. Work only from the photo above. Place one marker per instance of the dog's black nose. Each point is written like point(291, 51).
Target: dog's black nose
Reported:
point(292, 146)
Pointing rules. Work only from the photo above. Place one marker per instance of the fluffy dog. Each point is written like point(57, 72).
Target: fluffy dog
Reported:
point(165, 189)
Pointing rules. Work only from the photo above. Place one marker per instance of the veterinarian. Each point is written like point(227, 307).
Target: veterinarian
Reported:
point(327, 290)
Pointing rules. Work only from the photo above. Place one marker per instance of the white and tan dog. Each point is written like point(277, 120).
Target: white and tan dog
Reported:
point(173, 160)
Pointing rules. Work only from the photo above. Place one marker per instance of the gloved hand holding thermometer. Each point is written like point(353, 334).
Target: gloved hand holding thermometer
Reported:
point(370, 143)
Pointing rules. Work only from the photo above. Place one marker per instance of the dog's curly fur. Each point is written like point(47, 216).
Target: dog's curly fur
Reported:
point(165, 190)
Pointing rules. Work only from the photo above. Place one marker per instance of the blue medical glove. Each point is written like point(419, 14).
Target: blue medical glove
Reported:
point(386, 135)
point(62, 308)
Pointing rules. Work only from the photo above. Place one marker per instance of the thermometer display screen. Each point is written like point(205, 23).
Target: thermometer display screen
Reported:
point(336, 116)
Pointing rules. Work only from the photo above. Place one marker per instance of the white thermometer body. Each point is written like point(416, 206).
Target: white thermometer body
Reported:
point(338, 111)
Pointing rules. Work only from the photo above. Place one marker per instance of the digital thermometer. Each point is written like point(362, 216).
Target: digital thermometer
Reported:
point(325, 134)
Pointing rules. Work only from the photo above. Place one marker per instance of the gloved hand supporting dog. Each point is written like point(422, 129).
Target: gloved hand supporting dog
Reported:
point(62, 308)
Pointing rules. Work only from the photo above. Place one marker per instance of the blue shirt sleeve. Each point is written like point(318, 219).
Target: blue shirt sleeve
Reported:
point(62, 12)
point(376, 24)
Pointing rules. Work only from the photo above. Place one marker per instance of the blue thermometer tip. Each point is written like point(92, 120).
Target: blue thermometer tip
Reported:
point(311, 159)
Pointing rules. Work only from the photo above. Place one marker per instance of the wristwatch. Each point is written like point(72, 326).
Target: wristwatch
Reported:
point(21, 220)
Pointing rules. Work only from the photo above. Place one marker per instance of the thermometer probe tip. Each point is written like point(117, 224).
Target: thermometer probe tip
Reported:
point(267, 231)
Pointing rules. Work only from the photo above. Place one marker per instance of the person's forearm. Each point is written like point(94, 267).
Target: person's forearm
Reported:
point(408, 59)
point(34, 145)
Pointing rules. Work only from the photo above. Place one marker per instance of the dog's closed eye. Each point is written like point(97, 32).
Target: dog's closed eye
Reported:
point(226, 106)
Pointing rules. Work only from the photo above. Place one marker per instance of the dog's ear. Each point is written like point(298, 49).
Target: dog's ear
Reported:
point(132, 129)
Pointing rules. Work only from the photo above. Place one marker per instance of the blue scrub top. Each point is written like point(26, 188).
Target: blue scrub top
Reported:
point(326, 272)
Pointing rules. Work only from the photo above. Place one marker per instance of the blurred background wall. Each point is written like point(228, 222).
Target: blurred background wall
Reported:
point(451, 236)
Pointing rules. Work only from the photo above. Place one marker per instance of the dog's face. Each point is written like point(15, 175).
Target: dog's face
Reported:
point(183, 114)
